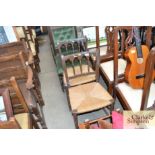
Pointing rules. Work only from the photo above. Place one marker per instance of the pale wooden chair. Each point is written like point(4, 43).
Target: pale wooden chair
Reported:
point(84, 97)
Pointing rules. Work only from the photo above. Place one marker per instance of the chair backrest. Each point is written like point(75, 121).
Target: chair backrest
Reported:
point(149, 73)
point(79, 60)
point(109, 30)
point(14, 89)
point(72, 46)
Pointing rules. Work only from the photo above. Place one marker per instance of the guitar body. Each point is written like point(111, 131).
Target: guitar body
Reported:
point(135, 69)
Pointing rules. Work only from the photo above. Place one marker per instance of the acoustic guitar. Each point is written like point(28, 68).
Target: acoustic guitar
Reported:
point(136, 60)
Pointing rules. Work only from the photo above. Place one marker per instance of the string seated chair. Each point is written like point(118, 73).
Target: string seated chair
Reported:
point(23, 101)
point(88, 96)
point(9, 120)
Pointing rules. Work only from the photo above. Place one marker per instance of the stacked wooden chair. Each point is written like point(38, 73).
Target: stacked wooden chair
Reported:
point(130, 98)
point(27, 34)
point(9, 120)
point(20, 78)
point(107, 65)
point(67, 48)
point(84, 93)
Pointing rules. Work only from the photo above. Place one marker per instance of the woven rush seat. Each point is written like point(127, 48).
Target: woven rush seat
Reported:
point(103, 51)
point(108, 68)
point(24, 120)
point(81, 79)
point(134, 96)
point(89, 97)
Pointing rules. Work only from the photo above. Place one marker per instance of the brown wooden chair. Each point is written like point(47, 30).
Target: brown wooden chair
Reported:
point(107, 68)
point(7, 119)
point(68, 48)
point(15, 48)
point(23, 101)
point(15, 65)
point(88, 97)
point(106, 51)
point(134, 99)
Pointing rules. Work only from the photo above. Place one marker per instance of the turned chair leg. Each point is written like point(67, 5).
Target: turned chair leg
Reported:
point(75, 117)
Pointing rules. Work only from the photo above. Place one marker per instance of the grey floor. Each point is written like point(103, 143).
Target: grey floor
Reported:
point(56, 111)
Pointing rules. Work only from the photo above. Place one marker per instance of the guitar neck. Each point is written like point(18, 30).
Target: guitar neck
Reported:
point(138, 42)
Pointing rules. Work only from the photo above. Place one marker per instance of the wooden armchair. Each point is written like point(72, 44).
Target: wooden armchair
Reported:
point(17, 47)
point(15, 65)
point(107, 68)
point(23, 101)
point(84, 97)
point(67, 48)
point(134, 99)
point(7, 119)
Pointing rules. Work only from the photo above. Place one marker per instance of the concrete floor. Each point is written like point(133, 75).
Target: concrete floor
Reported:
point(56, 111)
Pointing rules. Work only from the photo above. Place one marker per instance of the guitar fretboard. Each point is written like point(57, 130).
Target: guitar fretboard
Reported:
point(138, 42)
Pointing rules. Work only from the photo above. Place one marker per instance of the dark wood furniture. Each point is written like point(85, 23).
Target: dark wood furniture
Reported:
point(8, 119)
point(133, 99)
point(107, 68)
point(85, 97)
point(23, 101)
point(67, 48)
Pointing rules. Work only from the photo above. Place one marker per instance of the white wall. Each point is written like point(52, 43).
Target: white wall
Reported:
point(10, 33)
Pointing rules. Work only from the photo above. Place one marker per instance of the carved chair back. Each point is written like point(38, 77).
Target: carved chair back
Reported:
point(72, 46)
point(80, 60)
